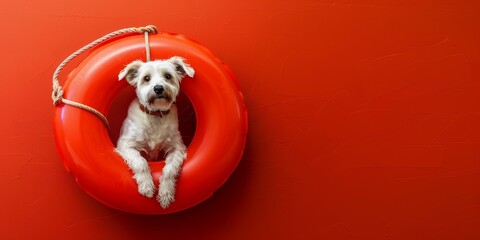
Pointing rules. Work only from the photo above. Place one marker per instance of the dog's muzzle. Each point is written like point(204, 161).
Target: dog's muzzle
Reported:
point(160, 93)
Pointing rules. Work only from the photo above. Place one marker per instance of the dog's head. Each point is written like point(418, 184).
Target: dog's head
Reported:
point(157, 82)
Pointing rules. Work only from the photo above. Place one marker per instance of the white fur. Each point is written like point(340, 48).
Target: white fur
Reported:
point(150, 133)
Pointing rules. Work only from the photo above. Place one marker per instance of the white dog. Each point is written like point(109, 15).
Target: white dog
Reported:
point(152, 124)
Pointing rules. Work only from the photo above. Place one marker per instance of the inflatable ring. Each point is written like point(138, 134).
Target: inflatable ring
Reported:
point(88, 153)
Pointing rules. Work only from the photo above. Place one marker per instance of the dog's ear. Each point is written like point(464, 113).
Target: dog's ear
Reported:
point(181, 67)
point(130, 72)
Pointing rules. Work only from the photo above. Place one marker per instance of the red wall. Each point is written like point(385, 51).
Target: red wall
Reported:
point(364, 119)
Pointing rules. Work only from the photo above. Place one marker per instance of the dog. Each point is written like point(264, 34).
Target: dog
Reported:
point(151, 125)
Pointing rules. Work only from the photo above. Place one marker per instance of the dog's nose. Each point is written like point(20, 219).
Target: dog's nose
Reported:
point(158, 89)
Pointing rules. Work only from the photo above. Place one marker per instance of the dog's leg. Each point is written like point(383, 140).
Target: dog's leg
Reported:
point(140, 169)
point(176, 153)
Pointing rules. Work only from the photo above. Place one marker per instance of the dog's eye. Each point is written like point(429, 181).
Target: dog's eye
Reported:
point(146, 78)
point(168, 76)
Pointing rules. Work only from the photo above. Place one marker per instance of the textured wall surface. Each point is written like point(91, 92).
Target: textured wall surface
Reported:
point(364, 119)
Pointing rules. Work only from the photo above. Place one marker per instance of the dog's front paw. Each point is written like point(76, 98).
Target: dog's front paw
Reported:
point(166, 192)
point(165, 199)
point(146, 187)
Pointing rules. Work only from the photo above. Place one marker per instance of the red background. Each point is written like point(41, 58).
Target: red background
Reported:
point(364, 119)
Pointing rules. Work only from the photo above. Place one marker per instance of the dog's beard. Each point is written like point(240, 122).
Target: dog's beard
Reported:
point(160, 102)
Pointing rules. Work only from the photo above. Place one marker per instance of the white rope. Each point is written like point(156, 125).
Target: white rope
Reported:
point(57, 93)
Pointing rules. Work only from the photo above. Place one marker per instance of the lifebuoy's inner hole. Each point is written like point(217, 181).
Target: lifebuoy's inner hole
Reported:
point(119, 109)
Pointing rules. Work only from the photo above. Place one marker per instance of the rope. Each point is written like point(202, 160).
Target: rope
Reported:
point(57, 93)
point(147, 46)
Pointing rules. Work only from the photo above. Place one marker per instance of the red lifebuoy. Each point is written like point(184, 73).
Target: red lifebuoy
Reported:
point(88, 153)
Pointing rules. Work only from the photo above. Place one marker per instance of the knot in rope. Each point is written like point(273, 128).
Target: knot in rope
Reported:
point(57, 93)
point(147, 29)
